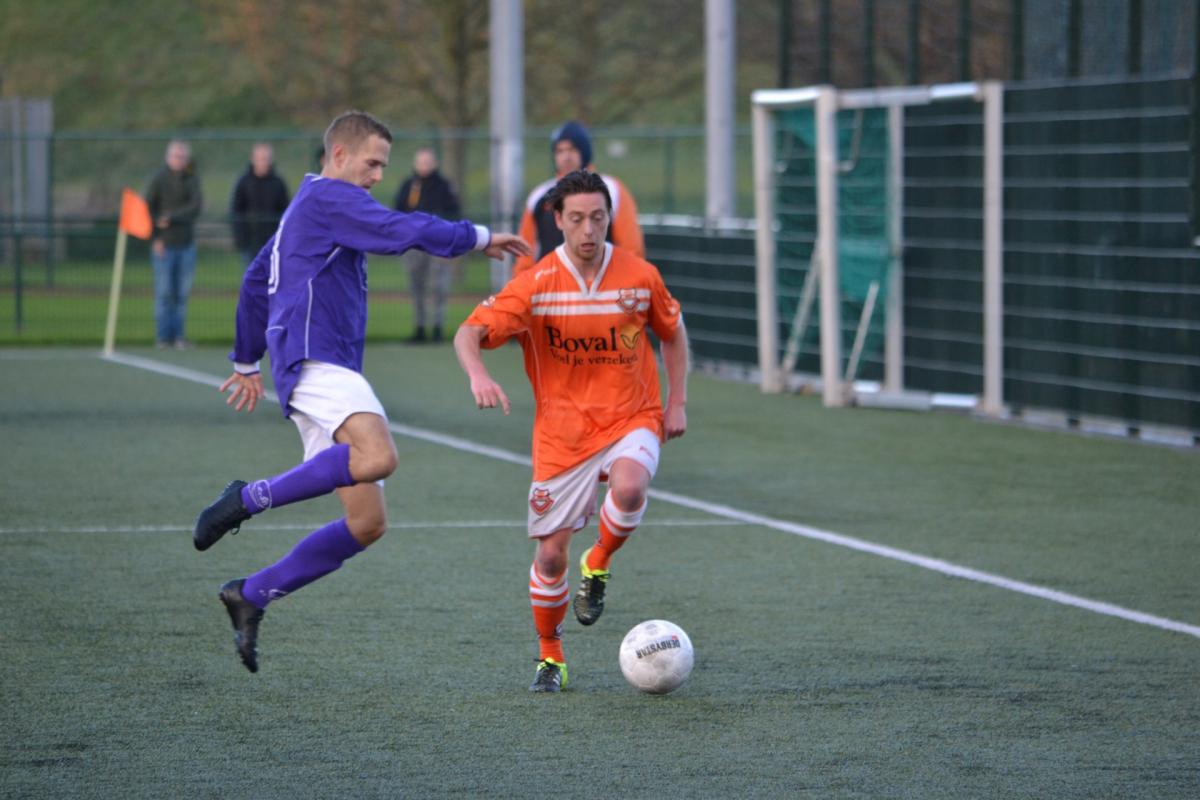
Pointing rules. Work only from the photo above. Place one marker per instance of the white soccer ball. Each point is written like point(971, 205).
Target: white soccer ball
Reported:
point(656, 656)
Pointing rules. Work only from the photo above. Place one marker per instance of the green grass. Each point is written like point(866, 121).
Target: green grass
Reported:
point(820, 672)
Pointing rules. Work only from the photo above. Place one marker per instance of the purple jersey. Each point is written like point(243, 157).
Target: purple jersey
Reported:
point(305, 295)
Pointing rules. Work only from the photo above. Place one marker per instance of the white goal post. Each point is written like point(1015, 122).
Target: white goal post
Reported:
point(837, 387)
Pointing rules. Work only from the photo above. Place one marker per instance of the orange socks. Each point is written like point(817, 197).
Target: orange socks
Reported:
point(549, 600)
point(615, 527)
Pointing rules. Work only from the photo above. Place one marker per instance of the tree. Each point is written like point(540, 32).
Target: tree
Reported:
point(414, 64)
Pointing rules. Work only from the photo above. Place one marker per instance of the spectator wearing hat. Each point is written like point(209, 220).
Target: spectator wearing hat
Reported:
point(571, 147)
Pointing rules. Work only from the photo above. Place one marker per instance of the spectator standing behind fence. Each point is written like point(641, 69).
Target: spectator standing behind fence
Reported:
point(426, 190)
point(259, 199)
point(571, 148)
point(175, 202)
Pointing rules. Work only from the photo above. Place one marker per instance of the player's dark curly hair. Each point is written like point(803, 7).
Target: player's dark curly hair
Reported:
point(579, 182)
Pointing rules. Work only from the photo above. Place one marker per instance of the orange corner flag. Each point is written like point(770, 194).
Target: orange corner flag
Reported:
point(135, 215)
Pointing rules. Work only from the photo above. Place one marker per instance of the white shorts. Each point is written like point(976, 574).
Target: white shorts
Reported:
point(568, 499)
point(324, 397)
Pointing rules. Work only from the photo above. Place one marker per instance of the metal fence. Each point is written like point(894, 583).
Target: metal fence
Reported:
point(1102, 274)
point(1101, 277)
point(56, 242)
point(85, 171)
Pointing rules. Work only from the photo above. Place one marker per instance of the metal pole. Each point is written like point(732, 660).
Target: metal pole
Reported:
point(825, 23)
point(770, 380)
point(506, 57)
point(1134, 33)
point(719, 73)
point(964, 40)
point(785, 43)
point(993, 248)
point(18, 160)
point(914, 42)
point(1074, 38)
point(19, 277)
point(1195, 131)
point(669, 172)
point(51, 233)
point(1016, 36)
point(868, 43)
point(827, 232)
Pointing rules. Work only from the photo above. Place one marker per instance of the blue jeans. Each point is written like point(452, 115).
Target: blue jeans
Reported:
point(173, 273)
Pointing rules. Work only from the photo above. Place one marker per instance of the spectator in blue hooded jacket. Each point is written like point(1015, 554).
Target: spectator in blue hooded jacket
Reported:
point(571, 148)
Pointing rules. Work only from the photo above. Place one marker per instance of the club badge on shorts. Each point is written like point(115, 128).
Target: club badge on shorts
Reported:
point(541, 501)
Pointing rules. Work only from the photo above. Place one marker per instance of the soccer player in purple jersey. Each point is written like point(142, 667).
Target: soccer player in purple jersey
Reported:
point(304, 300)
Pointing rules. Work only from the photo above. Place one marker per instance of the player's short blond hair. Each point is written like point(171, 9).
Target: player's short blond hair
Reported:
point(353, 128)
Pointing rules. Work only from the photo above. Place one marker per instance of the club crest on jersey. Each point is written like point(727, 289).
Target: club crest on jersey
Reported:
point(627, 300)
point(541, 501)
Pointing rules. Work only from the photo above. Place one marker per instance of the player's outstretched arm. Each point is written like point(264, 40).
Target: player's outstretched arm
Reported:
point(247, 390)
point(676, 359)
point(507, 243)
point(487, 392)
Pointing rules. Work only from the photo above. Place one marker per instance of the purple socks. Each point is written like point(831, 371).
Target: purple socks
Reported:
point(319, 553)
point(321, 474)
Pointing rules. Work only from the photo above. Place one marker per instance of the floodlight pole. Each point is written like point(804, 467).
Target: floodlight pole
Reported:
point(720, 68)
point(992, 95)
point(507, 57)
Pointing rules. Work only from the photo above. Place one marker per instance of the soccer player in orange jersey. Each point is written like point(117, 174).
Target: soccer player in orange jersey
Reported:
point(581, 316)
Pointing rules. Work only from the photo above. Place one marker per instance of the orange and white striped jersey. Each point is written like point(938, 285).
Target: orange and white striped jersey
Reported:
point(592, 368)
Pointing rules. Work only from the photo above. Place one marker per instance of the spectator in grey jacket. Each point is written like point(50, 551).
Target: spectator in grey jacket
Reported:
point(259, 199)
point(175, 202)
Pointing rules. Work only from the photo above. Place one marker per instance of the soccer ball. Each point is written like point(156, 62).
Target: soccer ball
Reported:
point(656, 656)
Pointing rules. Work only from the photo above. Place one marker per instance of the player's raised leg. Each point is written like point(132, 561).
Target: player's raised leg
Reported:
point(624, 506)
point(372, 455)
point(320, 475)
point(548, 596)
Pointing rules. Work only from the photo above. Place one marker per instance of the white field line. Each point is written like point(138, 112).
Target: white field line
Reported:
point(737, 515)
point(308, 526)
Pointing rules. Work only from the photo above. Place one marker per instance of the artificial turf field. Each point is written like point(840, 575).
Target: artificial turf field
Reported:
point(821, 671)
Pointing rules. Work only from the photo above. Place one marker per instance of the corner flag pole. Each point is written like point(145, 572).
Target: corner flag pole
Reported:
point(134, 220)
point(114, 294)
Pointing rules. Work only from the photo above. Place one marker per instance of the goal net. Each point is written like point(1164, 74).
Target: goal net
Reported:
point(829, 203)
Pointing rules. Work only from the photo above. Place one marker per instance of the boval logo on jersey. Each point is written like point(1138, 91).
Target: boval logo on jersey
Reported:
point(592, 344)
point(581, 344)
point(541, 501)
point(577, 351)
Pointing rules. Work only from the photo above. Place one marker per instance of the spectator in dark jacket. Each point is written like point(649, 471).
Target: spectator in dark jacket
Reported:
point(259, 200)
point(175, 202)
point(429, 192)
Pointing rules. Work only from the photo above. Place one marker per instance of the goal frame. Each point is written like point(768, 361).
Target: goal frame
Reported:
point(826, 102)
